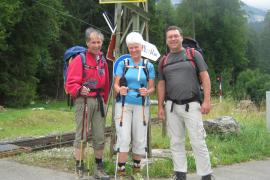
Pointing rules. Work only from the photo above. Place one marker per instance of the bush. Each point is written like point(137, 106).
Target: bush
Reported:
point(252, 84)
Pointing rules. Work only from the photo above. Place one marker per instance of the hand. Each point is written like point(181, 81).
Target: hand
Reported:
point(143, 91)
point(205, 107)
point(161, 114)
point(123, 90)
point(84, 91)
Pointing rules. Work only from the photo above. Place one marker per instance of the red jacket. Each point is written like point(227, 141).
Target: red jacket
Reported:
point(96, 75)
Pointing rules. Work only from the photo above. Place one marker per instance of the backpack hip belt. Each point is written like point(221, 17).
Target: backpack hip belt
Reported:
point(99, 99)
point(184, 102)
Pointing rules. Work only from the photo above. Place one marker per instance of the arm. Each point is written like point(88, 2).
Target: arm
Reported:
point(161, 98)
point(74, 77)
point(122, 90)
point(206, 84)
point(149, 90)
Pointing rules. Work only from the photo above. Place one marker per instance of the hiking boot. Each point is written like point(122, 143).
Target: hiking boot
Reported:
point(179, 176)
point(121, 174)
point(208, 177)
point(99, 172)
point(137, 176)
point(79, 170)
point(136, 169)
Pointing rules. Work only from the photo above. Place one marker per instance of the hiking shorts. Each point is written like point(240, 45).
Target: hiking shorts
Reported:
point(132, 131)
point(87, 120)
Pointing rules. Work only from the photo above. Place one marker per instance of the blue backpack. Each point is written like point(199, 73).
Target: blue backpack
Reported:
point(71, 53)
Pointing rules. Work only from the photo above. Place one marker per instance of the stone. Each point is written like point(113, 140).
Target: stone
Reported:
point(246, 105)
point(2, 109)
point(222, 125)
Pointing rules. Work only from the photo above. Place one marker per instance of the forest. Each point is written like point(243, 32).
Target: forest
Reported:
point(34, 35)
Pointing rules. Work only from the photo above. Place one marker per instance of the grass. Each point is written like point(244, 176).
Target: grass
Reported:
point(27, 122)
point(252, 143)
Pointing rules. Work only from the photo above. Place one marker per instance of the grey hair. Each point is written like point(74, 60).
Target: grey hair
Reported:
point(91, 30)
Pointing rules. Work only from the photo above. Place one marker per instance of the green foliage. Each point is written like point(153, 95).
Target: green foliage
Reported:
point(164, 17)
point(220, 28)
point(28, 41)
point(252, 84)
point(265, 44)
point(10, 15)
point(253, 49)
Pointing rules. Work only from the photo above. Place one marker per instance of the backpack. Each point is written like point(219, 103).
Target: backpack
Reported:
point(190, 45)
point(188, 42)
point(144, 66)
point(72, 53)
point(123, 81)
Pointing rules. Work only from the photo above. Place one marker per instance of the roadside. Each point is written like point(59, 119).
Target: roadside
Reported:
point(252, 170)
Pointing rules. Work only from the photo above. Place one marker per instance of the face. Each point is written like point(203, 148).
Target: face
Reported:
point(94, 43)
point(135, 51)
point(174, 40)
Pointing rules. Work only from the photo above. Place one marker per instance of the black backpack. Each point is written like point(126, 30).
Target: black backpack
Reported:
point(188, 42)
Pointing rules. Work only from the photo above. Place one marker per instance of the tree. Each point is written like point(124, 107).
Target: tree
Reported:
point(28, 44)
point(165, 16)
point(265, 44)
point(220, 28)
point(10, 15)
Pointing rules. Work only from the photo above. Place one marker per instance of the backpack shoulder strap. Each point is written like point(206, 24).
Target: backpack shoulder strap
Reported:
point(190, 53)
point(126, 64)
point(164, 61)
point(145, 69)
point(83, 58)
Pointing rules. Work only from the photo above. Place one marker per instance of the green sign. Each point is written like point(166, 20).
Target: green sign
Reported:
point(119, 1)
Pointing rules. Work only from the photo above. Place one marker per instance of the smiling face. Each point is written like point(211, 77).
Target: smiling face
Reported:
point(174, 40)
point(135, 51)
point(94, 43)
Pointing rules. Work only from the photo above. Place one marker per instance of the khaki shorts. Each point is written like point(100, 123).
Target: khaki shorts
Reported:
point(93, 121)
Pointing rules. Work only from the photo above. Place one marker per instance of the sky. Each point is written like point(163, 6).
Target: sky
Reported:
point(261, 4)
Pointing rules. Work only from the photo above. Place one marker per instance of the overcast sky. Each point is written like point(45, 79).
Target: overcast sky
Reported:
point(261, 4)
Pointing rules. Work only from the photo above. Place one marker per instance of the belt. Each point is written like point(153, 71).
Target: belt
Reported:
point(184, 102)
point(100, 100)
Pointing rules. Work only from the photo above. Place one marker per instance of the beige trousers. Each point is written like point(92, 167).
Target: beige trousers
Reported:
point(177, 122)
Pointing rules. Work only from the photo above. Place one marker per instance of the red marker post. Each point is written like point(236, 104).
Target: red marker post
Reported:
point(220, 88)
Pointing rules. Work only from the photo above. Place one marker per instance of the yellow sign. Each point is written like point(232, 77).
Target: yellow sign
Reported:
point(119, 1)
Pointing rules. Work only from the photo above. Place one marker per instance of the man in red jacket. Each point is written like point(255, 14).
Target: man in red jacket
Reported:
point(88, 83)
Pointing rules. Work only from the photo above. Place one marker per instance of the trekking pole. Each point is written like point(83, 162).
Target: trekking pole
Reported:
point(122, 112)
point(143, 102)
point(87, 143)
point(123, 82)
point(116, 164)
point(144, 123)
point(82, 133)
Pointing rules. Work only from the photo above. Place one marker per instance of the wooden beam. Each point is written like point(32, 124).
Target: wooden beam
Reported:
point(138, 10)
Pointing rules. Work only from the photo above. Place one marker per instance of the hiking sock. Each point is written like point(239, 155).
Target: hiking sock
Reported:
point(78, 162)
point(98, 161)
point(121, 166)
point(79, 165)
point(136, 163)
